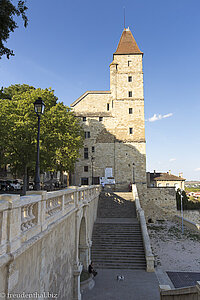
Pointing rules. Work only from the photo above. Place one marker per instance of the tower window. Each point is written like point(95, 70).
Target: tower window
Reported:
point(84, 119)
point(85, 153)
point(87, 134)
point(130, 93)
point(108, 106)
point(130, 110)
point(129, 63)
point(93, 149)
point(129, 78)
point(130, 130)
point(100, 119)
point(85, 168)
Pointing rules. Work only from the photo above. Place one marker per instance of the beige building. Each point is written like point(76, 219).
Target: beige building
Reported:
point(157, 179)
point(114, 147)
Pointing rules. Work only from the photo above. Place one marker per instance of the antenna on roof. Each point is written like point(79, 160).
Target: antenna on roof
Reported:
point(124, 17)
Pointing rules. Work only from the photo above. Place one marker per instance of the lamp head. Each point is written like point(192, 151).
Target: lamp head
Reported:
point(39, 106)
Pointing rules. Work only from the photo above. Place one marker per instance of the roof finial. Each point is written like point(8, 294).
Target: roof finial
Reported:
point(124, 17)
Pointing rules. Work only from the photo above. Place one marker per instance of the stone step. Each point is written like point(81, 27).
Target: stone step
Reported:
point(120, 262)
point(122, 242)
point(116, 227)
point(115, 232)
point(114, 259)
point(118, 255)
point(118, 246)
point(115, 255)
point(117, 241)
point(116, 236)
point(115, 265)
point(119, 249)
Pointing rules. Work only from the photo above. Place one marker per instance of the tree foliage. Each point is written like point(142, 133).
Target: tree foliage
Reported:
point(61, 134)
point(8, 11)
point(187, 204)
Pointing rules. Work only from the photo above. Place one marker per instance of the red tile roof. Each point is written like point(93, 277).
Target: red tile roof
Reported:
point(165, 177)
point(127, 44)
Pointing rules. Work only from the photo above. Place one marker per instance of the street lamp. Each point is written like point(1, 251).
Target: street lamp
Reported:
point(39, 109)
point(92, 160)
point(180, 193)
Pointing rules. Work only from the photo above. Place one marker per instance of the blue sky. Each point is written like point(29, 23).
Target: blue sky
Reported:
point(68, 45)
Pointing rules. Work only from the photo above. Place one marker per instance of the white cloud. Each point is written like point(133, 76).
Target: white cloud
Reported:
point(197, 169)
point(172, 159)
point(159, 117)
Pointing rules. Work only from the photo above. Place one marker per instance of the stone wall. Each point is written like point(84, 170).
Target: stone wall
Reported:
point(191, 215)
point(47, 265)
point(158, 203)
point(45, 239)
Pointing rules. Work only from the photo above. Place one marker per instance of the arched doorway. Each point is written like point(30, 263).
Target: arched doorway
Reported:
point(83, 247)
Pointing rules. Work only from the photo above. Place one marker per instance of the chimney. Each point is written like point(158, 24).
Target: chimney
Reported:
point(154, 172)
point(181, 174)
point(169, 172)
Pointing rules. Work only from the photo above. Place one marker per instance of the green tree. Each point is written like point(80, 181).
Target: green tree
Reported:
point(8, 11)
point(187, 204)
point(61, 134)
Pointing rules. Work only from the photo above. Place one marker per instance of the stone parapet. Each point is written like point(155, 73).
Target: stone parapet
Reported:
point(23, 218)
point(45, 240)
point(146, 240)
point(188, 223)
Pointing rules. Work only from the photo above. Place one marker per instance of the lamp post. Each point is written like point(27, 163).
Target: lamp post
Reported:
point(92, 160)
point(39, 109)
point(180, 193)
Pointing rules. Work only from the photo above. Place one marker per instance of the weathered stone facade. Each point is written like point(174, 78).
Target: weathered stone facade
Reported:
point(113, 122)
point(159, 203)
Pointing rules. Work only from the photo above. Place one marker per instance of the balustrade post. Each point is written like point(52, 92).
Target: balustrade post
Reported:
point(13, 221)
point(63, 202)
point(41, 216)
point(3, 226)
point(77, 198)
point(76, 288)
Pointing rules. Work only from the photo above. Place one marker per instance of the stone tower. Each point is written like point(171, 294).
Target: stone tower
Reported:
point(114, 124)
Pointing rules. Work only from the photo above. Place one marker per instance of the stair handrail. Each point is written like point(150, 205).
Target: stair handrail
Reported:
point(145, 236)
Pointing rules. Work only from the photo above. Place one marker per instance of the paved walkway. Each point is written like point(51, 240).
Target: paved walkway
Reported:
point(137, 285)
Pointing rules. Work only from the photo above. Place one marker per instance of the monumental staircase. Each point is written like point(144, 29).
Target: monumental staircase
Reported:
point(117, 238)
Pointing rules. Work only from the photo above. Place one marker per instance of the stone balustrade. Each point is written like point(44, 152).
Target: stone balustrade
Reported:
point(146, 240)
point(23, 218)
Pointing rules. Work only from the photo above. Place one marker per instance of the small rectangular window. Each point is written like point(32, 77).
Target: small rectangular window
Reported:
point(93, 149)
point(84, 119)
point(85, 168)
point(130, 130)
point(87, 134)
point(129, 78)
point(108, 107)
point(130, 110)
point(84, 181)
point(100, 119)
point(130, 93)
point(129, 63)
point(85, 153)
